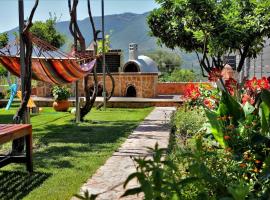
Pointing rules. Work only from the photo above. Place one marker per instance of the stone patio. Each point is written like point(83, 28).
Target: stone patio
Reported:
point(109, 179)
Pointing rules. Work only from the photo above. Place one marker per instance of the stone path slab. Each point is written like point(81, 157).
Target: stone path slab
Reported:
point(108, 180)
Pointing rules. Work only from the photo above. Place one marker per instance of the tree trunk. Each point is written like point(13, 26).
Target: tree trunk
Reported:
point(18, 145)
point(75, 31)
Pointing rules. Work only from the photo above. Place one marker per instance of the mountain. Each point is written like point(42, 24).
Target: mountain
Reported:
point(124, 29)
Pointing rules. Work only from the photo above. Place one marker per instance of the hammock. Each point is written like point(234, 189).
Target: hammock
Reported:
point(48, 63)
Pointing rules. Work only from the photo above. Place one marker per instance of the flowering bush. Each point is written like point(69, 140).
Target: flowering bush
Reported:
point(202, 95)
point(240, 123)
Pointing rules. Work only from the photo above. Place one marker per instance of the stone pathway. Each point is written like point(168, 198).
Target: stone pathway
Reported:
point(108, 180)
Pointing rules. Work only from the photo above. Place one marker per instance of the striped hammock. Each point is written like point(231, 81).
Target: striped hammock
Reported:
point(49, 64)
point(50, 70)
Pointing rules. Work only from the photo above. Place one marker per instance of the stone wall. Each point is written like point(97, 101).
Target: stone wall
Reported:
point(144, 83)
point(175, 88)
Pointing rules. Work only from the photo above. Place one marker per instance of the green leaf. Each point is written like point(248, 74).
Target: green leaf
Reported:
point(248, 109)
point(132, 191)
point(265, 96)
point(239, 191)
point(131, 176)
point(187, 181)
point(216, 127)
point(175, 197)
point(230, 107)
point(264, 113)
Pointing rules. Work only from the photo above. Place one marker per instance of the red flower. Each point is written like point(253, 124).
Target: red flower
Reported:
point(230, 90)
point(192, 92)
point(252, 84)
point(231, 82)
point(263, 83)
point(231, 85)
point(215, 75)
point(247, 98)
point(226, 137)
point(208, 103)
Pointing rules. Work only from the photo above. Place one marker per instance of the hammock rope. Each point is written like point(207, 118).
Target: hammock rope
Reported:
point(49, 64)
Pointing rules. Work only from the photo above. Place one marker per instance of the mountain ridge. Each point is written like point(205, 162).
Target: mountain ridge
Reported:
point(123, 28)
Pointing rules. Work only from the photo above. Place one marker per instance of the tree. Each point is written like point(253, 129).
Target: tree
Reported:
point(182, 75)
point(212, 28)
point(47, 32)
point(3, 43)
point(3, 40)
point(165, 60)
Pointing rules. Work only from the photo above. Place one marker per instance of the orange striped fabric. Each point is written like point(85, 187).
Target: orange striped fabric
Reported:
point(56, 71)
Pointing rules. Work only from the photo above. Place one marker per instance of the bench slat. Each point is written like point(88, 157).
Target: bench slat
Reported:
point(10, 132)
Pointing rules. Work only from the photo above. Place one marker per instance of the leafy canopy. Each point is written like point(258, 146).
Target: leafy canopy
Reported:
point(212, 28)
point(182, 75)
point(3, 43)
point(3, 40)
point(166, 61)
point(47, 32)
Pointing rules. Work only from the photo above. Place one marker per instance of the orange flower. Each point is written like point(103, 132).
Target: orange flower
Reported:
point(231, 127)
point(252, 84)
point(227, 137)
point(224, 118)
point(243, 165)
point(208, 103)
point(258, 161)
point(256, 170)
point(229, 149)
point(192, 92)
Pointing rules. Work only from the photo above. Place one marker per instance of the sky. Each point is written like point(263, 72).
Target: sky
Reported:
point(9, 9)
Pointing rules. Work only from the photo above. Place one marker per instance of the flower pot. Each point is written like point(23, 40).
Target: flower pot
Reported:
point(61, 106)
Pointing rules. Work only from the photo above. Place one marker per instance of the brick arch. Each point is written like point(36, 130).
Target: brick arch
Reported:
point(131, 66)
point(131, 91)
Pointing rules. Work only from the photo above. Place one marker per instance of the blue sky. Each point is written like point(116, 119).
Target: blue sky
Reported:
point(9, 9)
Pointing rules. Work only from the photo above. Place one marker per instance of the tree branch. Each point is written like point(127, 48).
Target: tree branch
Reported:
point(242, 58)
point(26, 37)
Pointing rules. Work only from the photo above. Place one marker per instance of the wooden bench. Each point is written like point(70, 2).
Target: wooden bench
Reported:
point(10, 132)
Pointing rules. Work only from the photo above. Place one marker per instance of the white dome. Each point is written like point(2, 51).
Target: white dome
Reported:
point(145, 64)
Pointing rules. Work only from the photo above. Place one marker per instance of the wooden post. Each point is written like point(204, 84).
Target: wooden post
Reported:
point(18, 144)
point(26, 118)
point(77, 103)
point(22, 45)
point(29, 156)
point(103, 56)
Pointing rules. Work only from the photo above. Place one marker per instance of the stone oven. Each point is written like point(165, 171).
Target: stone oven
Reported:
point(140, 63)
point(138, 77)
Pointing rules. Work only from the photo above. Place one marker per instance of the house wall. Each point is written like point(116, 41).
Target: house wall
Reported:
point(177, 88)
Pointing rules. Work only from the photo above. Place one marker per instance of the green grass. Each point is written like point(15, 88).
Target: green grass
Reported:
point(66, 154)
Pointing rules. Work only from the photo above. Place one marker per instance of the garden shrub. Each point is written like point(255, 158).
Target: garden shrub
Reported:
point(233, 163)
point(188, 122)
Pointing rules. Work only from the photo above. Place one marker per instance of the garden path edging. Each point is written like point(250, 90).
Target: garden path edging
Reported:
point(109, 179)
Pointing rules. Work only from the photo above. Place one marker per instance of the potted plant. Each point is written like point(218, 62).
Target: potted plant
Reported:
point(61, 95)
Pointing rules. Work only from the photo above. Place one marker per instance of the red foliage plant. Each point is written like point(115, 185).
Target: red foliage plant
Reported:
point(192, 92)
point(231, 86)
point(214, 75)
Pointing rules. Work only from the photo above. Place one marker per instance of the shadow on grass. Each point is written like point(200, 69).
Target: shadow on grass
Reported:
point(6, 118)
point(59, 142)
point(16, 184)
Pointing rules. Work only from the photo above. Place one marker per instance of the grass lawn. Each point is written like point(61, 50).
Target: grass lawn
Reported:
point(66, 154)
